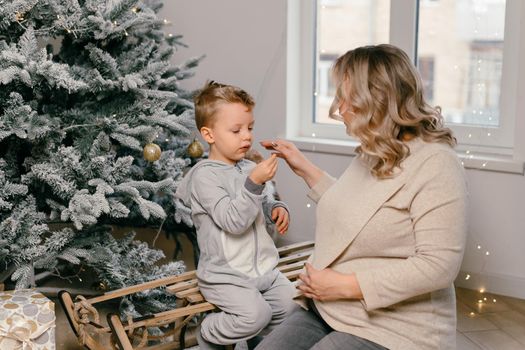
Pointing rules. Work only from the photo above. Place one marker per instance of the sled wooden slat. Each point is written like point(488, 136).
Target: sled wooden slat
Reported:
point(177, 287)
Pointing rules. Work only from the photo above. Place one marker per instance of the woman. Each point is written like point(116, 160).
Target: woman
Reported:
point(391, 230)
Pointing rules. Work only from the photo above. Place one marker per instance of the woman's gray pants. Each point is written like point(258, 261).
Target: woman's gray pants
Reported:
point(306, 330)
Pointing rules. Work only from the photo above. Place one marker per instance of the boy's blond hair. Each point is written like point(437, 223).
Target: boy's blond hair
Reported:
point(212, 95)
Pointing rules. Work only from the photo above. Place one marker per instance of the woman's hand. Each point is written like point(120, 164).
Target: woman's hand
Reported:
point(281, 218)
point(328, 284)
point(296, 160)
point(265, 170)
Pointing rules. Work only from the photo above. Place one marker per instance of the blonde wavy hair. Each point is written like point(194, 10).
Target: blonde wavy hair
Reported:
point(383, 89)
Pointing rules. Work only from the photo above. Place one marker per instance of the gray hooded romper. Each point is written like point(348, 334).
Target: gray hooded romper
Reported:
point(237, 267)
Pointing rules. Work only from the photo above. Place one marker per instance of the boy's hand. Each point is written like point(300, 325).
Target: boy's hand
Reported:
point(281, 218)
point(264, 171)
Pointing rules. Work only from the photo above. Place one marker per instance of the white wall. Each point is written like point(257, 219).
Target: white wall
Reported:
point(245, 45)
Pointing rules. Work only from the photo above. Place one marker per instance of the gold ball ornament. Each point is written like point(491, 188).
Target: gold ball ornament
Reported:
point(195, 149)
point(152, 152)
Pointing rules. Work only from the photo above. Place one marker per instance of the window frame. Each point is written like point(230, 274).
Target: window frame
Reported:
point(301, 72)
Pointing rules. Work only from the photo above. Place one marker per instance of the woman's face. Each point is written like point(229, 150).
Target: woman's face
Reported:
point(341, 109)
point(343, 112)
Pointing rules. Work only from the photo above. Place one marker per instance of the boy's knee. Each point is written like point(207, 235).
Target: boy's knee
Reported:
point(256, 319)
point(291, 307)
point(283, 310)
point(285, 304)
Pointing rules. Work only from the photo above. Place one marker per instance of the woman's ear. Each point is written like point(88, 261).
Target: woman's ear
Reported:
point(207, 135)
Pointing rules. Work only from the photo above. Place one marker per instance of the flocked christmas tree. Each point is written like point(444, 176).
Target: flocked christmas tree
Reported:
point(87, 92)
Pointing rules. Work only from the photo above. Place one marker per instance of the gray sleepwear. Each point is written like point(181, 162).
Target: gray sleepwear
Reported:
point(237, 266)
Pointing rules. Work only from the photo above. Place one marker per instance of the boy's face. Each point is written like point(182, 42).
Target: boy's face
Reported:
point(230, 136)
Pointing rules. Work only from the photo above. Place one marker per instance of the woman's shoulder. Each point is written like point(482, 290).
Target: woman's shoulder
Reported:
point(431, 155)
point(428, 159)
point(424, 150)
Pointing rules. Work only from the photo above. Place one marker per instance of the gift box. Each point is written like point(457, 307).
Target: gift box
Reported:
point(27, 321)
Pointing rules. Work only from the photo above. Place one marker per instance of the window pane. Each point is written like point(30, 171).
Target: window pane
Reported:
point(343, 25)
point(460, 53)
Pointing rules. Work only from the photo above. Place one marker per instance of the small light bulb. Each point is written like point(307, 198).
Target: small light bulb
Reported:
point(308, 205)
point(479, 247)
point(482, 290)
point(313, 134)
point(487, 253)
point(472, 314)
point(493, 300)
point(467, 277)
point(480, 301)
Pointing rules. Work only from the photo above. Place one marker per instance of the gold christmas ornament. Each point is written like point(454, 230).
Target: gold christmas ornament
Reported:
point(152, 152)
point(195, 149)
point(19, 16)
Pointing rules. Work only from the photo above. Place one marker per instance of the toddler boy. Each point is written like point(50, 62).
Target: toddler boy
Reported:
point(237, 267)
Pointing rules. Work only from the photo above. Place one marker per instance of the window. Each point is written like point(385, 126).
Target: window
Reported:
point(467, 53)
point(483, 84)
point(425, 66)
point(467, 41)
point(369, 20)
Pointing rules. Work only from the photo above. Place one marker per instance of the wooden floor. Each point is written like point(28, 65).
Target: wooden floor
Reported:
point(498, 323)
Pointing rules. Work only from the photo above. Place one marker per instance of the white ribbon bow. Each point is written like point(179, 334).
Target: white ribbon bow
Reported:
point(21, 332)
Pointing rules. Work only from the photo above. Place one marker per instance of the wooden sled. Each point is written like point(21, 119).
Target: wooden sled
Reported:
point(132, 334)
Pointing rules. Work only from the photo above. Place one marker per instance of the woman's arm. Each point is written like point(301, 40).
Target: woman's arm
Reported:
point(296, 160)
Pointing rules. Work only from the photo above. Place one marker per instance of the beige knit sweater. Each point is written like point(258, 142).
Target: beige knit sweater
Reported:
point(404, 238)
